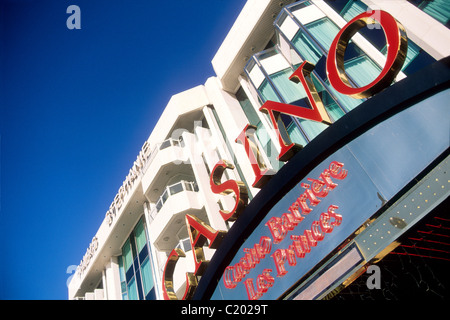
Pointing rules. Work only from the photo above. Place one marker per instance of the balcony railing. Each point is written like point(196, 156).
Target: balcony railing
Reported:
point(170, 191)
point(161, 146)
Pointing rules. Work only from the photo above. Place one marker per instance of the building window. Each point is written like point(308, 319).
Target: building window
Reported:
point(295, 94)
point(358, 65)
point(311, 42)
point(352, 9)
point(147, 279)
point(438, 9)
point(123, 283)
point(247, 107)
point(135, 266)
point(281, 89)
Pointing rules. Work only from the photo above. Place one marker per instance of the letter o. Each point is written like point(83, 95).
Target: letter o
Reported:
point(397, 44)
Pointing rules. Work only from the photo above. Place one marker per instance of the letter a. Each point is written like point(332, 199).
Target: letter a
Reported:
point(199, 234)
point(74, 21)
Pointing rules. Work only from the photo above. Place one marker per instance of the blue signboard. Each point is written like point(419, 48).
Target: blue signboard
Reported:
point(352, 184)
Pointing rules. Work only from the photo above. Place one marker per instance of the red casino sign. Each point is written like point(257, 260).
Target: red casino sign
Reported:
point(281, 226)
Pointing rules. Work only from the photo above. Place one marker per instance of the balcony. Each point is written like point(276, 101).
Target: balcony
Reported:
point(166, 157)
point(170, 191)
point(167, 218)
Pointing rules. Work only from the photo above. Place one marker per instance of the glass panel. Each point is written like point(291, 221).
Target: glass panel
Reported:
point(123, 287)
point(230, 149)
point(133, 246)
point(123, 284)
point(188, 186)
point(267, 145)
point(186, 244)
point(147, 278)
point(292, 92)
point(165, 144)
point(412, 53)
point(267, 91)
point(324, 31)
point(127, 254)
point(132, 290)
point(289, 90)
point(306, 47)
point(312, 128)
point(139, 285)
point(141, 240)
point(352, 9)
point(347, 102)
point(121, 270)
point(438, 9)
point(362, 69)
point(159, 205)
point(176, 188)
point(333, 109)
point(295, 134)
point(247, 107)
point(164, 196)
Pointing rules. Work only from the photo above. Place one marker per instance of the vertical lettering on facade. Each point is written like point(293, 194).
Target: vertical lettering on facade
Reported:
point(84, 263)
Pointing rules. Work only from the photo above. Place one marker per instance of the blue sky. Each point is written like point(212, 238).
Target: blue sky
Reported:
point(76, 107)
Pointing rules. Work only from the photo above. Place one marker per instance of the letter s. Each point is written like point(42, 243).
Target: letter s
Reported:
point(229, 186)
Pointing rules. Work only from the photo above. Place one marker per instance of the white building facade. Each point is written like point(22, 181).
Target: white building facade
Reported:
point(171, 176)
